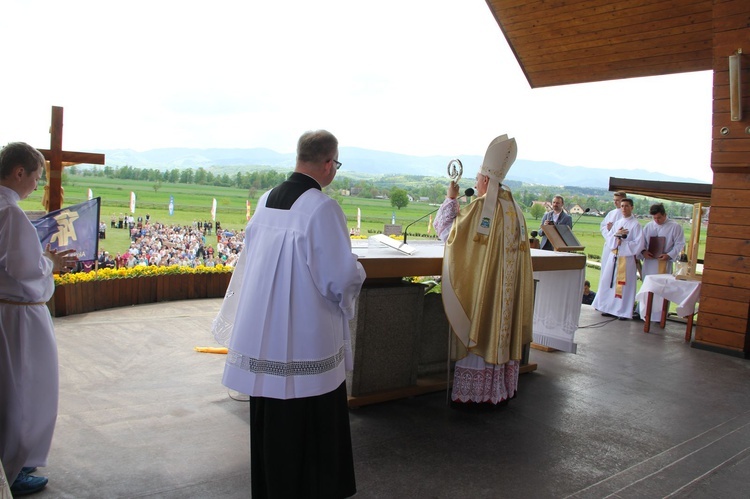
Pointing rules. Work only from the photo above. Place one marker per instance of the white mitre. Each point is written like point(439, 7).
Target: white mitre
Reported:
point(500, 155)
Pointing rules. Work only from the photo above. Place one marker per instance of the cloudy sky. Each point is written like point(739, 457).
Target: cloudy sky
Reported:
point(418, 77)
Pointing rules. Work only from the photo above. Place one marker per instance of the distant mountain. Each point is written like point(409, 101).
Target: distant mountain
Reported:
point(369, 162)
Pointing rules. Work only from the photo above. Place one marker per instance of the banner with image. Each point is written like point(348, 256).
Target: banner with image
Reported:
point(75, 227)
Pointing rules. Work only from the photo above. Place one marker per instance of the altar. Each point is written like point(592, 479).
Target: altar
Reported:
point(400, 336)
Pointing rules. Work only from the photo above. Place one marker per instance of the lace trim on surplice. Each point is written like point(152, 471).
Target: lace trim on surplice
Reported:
point(285, 369)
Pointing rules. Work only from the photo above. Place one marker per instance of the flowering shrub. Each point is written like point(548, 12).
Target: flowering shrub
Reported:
point(137, 271)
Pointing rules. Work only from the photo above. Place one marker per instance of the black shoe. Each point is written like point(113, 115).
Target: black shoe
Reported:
point(605, 314)
point(26, 484)
point(623, 318)
point(28, 469)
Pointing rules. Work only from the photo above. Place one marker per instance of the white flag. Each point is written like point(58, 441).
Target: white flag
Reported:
point(132, 202)
point(213, 211)
point(91, 194)
point(359, 218)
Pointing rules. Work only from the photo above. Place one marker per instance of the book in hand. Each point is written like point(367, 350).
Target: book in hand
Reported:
point(656, 245)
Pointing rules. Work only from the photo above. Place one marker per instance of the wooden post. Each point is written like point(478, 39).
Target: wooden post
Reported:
point(54, 181)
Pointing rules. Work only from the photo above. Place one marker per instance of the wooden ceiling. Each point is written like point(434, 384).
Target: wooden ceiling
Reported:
point(559, 42)
point(681, 192)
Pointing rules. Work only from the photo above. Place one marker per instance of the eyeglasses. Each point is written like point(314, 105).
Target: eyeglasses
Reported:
point(337, 163)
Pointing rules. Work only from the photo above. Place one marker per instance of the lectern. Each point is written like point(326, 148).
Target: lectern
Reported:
point(562, 238)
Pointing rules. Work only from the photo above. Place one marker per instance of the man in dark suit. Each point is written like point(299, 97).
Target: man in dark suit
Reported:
point(555, 217)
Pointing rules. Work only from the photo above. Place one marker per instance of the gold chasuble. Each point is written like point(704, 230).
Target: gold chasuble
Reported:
point(488, 282)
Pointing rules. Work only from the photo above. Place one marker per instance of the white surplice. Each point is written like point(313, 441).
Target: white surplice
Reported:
point(28, 350)
point(631, 246)
point(674, 237)
point(287, 316)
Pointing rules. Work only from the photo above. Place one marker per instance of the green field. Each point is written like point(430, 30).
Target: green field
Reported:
point(193, 202)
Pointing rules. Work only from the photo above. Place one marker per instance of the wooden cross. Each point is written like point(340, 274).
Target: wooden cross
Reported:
point(58, 158)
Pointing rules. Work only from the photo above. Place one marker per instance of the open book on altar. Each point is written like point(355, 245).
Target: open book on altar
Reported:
point(656, 245)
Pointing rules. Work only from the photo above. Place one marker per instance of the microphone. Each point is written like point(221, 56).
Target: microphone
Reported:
point(580, 215)
point(469, 192)
point(534, 233)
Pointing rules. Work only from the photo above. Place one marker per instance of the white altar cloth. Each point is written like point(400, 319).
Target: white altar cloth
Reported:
point(683, 293)
point(558, 304)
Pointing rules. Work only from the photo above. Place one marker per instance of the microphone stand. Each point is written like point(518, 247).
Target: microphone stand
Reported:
point(406, 230)
point(614, 267)
point(579, 216)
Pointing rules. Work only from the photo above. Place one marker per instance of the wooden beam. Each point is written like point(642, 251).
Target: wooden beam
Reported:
point(70, 158)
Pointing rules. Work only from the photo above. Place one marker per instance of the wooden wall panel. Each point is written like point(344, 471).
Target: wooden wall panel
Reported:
point(726, 231)
point(728, 263)
point(730, 198)
point(727, 279)
point(727, 323)
point(730, 216)
point(723, 307)
point(725, 293)
point(709, 290)
point(720, 338)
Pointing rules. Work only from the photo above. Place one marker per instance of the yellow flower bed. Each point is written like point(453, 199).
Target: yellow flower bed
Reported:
point(137, 271)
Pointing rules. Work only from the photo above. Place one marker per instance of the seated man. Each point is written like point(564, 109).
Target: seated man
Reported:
point(588, 295)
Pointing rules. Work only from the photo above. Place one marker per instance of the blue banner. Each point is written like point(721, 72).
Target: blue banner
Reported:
point(75, 227)
point(171, 205)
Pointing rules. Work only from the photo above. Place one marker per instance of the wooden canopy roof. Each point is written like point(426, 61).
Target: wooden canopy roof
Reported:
point(559, 42)
point(681, 192)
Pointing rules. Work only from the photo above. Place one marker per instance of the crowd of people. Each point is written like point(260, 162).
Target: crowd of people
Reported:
point(163, 245)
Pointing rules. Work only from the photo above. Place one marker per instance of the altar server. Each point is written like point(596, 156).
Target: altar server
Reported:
point(285, 320)
point(610, 218)
point(617, 284)
point(28, 351)
point(674, 242)
point(487, 281)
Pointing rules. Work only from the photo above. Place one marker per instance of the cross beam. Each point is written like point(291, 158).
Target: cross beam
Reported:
point(58, 159)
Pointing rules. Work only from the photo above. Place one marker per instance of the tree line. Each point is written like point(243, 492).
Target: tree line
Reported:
point(397, 188)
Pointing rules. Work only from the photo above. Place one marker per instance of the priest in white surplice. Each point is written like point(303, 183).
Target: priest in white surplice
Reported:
point(285, 320)
point(28, 351)
point(617, 284)
point(674, 242)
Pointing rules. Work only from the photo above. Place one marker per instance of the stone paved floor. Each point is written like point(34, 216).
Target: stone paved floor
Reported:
point(630, 415)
